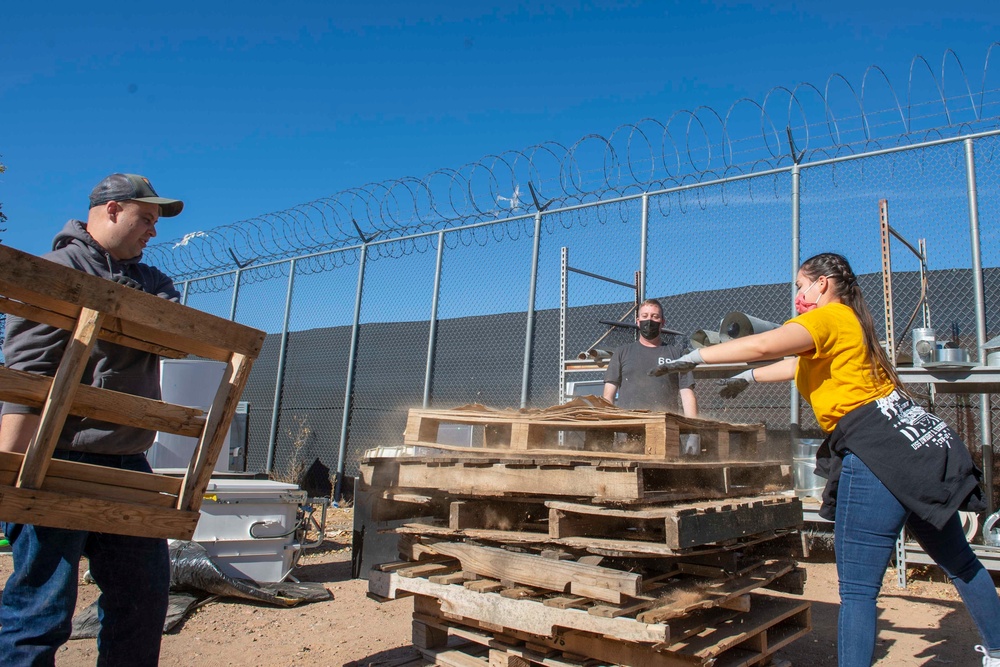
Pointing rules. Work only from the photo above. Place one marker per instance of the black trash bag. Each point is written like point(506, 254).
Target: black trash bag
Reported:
point(194, 578)
point(86, 625)
point(191, 568)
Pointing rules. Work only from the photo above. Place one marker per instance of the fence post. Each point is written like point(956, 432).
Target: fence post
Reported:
point(986, 418)
point(793, 417)
point(272, 439)
point(236, 294)
point(529, 332)
point(184, 293)
point(643, 238)
point(432, 337)
point(349, 387)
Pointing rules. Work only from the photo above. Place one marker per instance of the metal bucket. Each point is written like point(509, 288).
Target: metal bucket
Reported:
point(923, 346)
point(804, 478)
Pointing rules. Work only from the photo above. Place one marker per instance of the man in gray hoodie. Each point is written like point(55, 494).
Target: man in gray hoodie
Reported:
point(133, 573)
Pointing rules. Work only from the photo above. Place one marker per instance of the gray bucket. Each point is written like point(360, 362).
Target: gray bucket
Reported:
point(804, 478)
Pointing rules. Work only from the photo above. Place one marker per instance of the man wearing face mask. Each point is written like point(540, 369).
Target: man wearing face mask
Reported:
point(628, 372)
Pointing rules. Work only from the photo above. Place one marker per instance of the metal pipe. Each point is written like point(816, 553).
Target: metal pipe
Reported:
point(793, 402)
point(986, 433)
point(351, 363)
point(184, 293)
point(643, 239)
point(529, 332)
point(279, 379)
point(236, 295)
point(432, 336)
point(570, 269)
point(563, 301)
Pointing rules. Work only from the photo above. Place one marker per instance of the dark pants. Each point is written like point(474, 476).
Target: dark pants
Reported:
point(133, 574)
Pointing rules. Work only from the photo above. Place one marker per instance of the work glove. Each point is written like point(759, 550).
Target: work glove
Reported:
point(122, 279)
point(681, 364)
point(734, 386)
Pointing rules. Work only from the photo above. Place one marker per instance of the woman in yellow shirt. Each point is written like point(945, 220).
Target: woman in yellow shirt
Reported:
point(889, 463)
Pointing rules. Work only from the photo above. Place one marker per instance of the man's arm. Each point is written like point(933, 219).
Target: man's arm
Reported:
point(609, 392)
point(16, 431)
point(689, 402)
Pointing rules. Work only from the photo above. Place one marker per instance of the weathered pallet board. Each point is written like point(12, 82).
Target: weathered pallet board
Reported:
point(673, 601)
point(538, 430)
point(37, 489)
point(727, 639)
point(622, 481)
point(593, 545)
point(678, 527)
point(528, 615)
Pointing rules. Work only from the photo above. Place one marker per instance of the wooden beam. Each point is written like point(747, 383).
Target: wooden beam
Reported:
point(10, 462)
point(145, 316)
point(61, 510)
point(61, 393)
point(560, 576)
point(526, 615)
point(220, 415)
point(111, 406)
point(67, 322)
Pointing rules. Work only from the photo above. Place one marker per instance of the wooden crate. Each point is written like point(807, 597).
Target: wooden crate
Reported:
point(536, 431)
point(35, 488)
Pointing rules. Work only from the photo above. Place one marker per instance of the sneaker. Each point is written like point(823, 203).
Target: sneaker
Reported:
point(988, 660)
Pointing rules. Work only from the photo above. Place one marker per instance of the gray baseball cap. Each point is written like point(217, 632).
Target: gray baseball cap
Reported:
point(125, 187)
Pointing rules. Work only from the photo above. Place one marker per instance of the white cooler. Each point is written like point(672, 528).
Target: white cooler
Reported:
point(232, 509)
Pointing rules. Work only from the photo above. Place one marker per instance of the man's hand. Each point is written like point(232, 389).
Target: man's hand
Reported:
point(122, 279)
point(681, 364)
point(734, 386)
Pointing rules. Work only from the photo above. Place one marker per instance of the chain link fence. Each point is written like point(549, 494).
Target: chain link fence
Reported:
point(468, 315)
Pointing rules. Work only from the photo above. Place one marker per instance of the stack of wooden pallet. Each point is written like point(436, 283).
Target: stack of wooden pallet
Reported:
point(540, 556)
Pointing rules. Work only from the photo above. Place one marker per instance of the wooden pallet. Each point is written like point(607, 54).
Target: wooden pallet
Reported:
point(36, 489)
point(679, 526)
point(603, 480)
point(682, 526)
point(482, 584)
point(523, 431)
point(725, 640)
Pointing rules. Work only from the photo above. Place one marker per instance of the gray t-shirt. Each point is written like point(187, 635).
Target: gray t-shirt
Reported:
point(629, 369)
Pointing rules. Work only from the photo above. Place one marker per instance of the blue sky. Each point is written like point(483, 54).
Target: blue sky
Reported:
point(246, 108)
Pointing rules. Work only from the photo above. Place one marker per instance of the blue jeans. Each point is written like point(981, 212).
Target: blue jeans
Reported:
point(868, 521)
point(133, 574)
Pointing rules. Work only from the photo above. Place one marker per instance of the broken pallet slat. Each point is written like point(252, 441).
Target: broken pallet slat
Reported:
point(560, 576)
point(528, 615)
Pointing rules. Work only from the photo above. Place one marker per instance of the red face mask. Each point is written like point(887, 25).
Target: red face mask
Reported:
point(801, 305)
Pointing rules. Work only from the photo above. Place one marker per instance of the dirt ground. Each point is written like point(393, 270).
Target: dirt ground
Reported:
point(924, 624)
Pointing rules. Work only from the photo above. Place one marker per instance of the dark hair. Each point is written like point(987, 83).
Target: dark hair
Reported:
point(845, 286)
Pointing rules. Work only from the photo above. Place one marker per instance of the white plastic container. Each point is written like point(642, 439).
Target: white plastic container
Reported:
point(191, 383)
point(248, 527)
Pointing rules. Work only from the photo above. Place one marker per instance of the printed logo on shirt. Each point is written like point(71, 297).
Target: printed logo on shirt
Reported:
point(921, 428)
point(663, 360)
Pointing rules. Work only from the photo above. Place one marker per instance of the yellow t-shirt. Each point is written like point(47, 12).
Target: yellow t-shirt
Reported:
point(836, 377)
